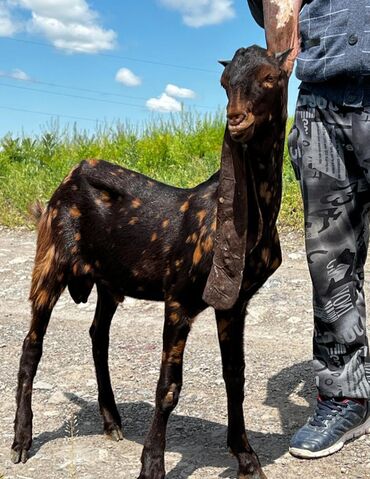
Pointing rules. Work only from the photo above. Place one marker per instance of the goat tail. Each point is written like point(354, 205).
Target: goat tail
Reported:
point(49, 272)
point(36, 210)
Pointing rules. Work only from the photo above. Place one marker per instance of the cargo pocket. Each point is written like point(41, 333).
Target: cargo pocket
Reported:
point(295, 151)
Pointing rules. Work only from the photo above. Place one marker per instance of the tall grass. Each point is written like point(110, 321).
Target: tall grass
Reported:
point(183, 150)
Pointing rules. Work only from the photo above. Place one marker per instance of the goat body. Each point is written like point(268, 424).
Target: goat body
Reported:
point(133, 236)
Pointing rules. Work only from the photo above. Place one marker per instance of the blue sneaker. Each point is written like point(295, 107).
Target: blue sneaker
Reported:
point(332, 425)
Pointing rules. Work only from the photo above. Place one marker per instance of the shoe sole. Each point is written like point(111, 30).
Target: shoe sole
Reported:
point(353, 434)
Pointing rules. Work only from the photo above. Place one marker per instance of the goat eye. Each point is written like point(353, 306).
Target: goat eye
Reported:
point(268, 81)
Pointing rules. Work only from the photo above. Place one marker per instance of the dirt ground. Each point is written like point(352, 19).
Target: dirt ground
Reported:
point(67, 426)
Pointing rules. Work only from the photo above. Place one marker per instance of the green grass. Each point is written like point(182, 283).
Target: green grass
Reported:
point(182, 151)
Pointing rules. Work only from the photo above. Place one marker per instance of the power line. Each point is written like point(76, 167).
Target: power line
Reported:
point(70, 87)
point(69, 95)
point(121, 57)
point(24, 110)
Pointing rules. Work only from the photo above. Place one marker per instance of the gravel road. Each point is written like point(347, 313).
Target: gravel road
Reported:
point(67, 428)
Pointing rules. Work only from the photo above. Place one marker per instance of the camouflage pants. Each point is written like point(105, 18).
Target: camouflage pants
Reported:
point(330, 150)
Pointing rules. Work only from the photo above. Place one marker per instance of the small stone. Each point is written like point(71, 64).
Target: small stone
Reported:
point(57, 398)
point(295, 255)
point(294, 319)
point(42, 385)
point(18, 260)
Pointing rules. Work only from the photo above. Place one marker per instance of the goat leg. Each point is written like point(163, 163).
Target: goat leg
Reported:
point(31, 355)
point(230, 328)
point(99, 333)
point(176, 330)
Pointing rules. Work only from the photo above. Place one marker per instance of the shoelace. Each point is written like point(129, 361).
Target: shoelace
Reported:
point(325, 409)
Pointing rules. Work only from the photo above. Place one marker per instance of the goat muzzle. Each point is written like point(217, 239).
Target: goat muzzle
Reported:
point(240, 123)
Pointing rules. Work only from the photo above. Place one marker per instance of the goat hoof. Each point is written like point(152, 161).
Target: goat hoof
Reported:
point(115, 434)
point(144, 476)
point(18, 456)
point(256, 475)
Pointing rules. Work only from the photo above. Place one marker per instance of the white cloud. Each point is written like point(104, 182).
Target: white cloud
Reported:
point(198, 13)
point(7, 24)
point(164, 104)
point(127, 77)
point(16, 74)
point(178, 92)
point(69, 25)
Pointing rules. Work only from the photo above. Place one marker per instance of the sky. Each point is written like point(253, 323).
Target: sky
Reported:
point(95, 62)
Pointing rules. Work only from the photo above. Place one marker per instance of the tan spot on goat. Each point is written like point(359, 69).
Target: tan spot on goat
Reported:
point(105, 196)
point(174, 305)
point(154, 237)
point(87, 268)
point(184, 207)
point(136, 203)
point(178, 263)
point(208, 244)
point(165, 224)
point(168, 399)
point(201, 215)
point(197, 255)
point(42, 298)
point(174, 317)
point(33, 336)
point(93, 162)
point(175, 354)
point(134, 220)
point(77, 237)
point(74, 212)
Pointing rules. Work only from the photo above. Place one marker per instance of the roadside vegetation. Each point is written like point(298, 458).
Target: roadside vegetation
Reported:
point(182, 151)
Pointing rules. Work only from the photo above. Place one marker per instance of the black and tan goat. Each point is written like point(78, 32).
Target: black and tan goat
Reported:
point(214, 244)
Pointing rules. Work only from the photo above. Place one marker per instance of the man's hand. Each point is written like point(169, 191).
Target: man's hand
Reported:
point(282, 28)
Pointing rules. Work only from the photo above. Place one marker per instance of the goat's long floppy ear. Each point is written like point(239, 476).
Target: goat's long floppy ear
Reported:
point(237, 206)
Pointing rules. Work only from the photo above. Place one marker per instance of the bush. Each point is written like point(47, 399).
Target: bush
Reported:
point(183, 151)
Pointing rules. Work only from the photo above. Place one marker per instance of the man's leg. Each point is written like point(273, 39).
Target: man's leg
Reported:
point(336, 202)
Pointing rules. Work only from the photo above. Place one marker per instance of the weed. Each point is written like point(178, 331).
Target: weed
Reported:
point(71, 430)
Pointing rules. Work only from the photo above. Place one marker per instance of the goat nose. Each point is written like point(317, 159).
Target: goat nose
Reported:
point(235, 119)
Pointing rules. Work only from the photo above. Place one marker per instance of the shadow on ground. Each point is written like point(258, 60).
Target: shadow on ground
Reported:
point(202, 443)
